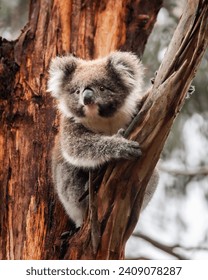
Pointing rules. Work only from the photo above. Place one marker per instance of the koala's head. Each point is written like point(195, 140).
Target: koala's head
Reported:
point(96, 87)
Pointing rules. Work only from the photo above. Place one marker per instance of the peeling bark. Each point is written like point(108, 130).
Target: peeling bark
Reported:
point(31, 218)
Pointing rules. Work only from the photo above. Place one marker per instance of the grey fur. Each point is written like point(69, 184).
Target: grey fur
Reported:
point(97, 98)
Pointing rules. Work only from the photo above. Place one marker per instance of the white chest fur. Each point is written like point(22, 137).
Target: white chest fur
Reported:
point(107, 126)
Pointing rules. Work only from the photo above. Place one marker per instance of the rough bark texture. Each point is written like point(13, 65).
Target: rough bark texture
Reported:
point(31, 218)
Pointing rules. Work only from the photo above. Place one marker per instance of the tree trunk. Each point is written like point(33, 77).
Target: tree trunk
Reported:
point(31, 218)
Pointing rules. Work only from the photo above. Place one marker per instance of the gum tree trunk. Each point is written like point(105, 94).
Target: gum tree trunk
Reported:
point(31, 218)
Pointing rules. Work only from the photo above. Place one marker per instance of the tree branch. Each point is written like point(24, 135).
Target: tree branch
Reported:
point(95, 226)
point(200, 171)
point(166, 248)
point(156, 117)
point(159, 245)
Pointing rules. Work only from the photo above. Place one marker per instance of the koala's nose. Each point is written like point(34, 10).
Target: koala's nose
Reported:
point(88, 96)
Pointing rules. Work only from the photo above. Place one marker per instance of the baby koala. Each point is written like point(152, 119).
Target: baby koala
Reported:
point(97, 100)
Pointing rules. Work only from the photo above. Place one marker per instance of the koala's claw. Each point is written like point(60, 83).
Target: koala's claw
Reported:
point(124, 148)
point(130, 150)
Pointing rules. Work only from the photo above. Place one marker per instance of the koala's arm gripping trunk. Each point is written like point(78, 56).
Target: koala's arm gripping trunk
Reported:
point(83, 148)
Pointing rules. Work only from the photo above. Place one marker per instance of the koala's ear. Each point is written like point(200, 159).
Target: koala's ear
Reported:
point(60, 68)
point(127, 66)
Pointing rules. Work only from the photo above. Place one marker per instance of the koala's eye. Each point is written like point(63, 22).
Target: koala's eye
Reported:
point(77, 91)
point(102, 88)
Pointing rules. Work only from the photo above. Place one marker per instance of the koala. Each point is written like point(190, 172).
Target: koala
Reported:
point(97, 100)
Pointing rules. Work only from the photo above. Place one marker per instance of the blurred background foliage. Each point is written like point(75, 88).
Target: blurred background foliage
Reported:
point(13, 17)
point(175, 224)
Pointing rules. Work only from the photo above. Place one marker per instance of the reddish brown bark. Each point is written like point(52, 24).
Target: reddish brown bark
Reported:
point(31, 218)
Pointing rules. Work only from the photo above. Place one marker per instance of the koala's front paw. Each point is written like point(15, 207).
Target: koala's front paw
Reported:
point(125, 148)
point(129, 149)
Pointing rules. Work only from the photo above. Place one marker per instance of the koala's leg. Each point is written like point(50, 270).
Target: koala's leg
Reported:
point(70, 184)
point(151, 187)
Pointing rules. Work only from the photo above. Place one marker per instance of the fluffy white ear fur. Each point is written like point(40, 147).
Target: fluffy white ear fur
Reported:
point(58, 67)
point(128, 66)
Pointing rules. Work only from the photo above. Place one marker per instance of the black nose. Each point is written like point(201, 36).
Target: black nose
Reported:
point(88, 97)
